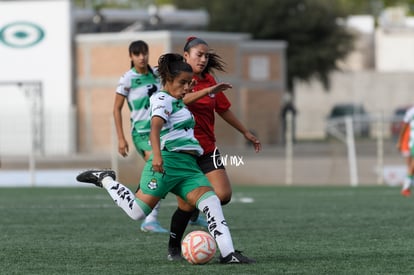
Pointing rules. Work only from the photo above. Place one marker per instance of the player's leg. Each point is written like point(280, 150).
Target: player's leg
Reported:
point(212, 166)
point(150, 223)
point(136, 209)
point(221, 185)
point(198, 191)
point(174, 165)
point(179, 222)
point(209, 204)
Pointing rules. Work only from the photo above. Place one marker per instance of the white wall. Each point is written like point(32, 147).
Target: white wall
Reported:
point(35, 45)
point(394, 50)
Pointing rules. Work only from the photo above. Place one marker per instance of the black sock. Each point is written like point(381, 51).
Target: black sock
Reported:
point(179, 222)
point(195, 214)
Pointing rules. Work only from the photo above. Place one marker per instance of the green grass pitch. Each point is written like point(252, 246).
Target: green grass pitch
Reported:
point(288, 230)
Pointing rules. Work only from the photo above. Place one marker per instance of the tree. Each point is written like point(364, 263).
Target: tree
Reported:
point(315, 40)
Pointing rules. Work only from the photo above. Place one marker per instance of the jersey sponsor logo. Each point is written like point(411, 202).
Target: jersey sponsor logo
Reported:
point(21, 34)
point(158, 107)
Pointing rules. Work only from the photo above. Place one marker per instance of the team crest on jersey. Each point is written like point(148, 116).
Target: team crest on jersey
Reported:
point(167, 112)
point(153, 184)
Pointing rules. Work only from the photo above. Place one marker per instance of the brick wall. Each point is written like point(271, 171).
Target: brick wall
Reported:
point(103, 58)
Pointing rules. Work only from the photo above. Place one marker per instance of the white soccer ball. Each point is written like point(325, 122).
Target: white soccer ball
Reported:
point(198, 247)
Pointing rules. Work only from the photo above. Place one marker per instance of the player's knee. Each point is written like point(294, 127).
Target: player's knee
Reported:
point(225, 197)
point(225, 201)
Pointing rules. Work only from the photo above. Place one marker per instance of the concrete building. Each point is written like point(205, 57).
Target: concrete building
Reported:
point(256, 69)
point(378, 74)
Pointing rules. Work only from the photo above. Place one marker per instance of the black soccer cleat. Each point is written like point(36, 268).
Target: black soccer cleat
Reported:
point(236, 258)
point(95, 176)
point(174, 254)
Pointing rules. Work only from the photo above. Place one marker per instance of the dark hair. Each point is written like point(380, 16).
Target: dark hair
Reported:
point(137, 47)
point(214, 60)
point(171, 65)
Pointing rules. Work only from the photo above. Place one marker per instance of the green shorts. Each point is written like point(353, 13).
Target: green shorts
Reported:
point(141, 142)
point(181, 176)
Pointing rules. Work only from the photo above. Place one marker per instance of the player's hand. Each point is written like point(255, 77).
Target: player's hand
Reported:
point(220, 87)
point(157, 164)
point(123, 148)
point(253, 139)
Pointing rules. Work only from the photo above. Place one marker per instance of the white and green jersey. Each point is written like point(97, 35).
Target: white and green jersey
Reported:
point(177, 134)
point(138, 88)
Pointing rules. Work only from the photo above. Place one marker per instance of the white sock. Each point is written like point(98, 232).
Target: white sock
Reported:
point(124, 198)
point(407, 182)
point(217, 225)
point(153, 216)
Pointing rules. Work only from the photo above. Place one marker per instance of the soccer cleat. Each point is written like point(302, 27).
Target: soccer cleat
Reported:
point(153, 227)
point(236, 258)
point(406, 192)
point(174, 254)
point(199, 222)
point(95, 176)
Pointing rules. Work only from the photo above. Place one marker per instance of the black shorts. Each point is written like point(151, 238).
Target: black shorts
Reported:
point(210, 162)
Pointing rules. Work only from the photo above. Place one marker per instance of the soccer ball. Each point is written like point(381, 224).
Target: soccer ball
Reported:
point(198, 247)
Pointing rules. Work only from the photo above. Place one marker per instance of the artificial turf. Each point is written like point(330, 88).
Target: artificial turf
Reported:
point(288, 230)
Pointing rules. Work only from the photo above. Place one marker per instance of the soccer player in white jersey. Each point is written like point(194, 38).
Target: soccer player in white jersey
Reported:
point(408, 125)
point(207, 101)
point(136, 87)
point(172, 166)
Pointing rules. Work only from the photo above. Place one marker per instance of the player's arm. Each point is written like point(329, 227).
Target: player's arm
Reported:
point(123, 146)
point(156, 126)
point(192, 97)
point(231, 119)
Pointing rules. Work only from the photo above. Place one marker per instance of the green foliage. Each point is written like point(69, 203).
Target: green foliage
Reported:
point(289, 230)
point(315, 41)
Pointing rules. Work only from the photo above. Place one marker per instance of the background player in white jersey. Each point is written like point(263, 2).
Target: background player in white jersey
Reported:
point(136, 86)
point(172, 167)
point(407, 127)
